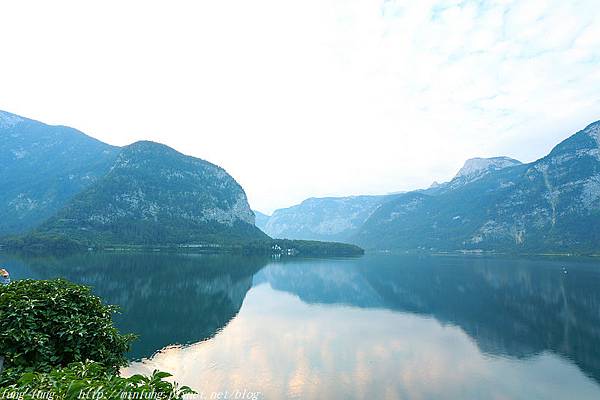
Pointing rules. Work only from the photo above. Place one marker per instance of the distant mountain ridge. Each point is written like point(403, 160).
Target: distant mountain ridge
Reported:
point(550, 205)
point(329, 218)
point(65, 184)
point(261, 219)
point(492, 204)
point(42, 167)
point(341, 218)
point(59, 182)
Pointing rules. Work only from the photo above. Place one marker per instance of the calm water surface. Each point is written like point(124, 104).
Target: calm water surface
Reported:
point(378, 327)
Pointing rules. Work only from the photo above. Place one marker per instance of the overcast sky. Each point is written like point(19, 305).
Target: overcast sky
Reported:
point(310, 97)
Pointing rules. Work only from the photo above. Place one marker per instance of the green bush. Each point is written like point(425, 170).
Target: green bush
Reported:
point(46, 324)
point(92, 381)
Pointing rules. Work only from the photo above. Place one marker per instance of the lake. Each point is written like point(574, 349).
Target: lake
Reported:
point(376, 327)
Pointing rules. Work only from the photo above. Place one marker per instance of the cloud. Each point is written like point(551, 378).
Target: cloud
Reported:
point(311, 98)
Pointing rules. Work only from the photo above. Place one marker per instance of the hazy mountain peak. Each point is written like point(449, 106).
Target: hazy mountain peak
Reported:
point(8, 120)
point(261, 219)
point(476, 166)
point(326, 218)
point(42, 167)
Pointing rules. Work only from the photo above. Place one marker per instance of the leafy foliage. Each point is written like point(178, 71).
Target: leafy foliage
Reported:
point(42, 243)
point(44, 324)
point(92, 380)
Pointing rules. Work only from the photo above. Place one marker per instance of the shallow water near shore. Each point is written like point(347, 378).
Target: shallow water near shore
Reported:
point(392, 327)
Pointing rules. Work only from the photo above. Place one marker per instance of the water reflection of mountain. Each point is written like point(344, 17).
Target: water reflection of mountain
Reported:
point(166, 299)
point(516, 308)
point(322, 281)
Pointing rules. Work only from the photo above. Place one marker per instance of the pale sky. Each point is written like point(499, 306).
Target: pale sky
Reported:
point(307, 98)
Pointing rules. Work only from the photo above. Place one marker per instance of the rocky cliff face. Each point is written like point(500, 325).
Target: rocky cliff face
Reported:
point(477, 167)
point(154, 195)
point(473, 170)
point(552, 204)
point(42, 167)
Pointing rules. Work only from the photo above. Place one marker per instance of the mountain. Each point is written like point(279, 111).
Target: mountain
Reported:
point(153, 194)
point(472, 170)
point(329, 218)
point(261, 220)
point(42, 167)
point(550, 205)
point(65, 191)
point(477, 167)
